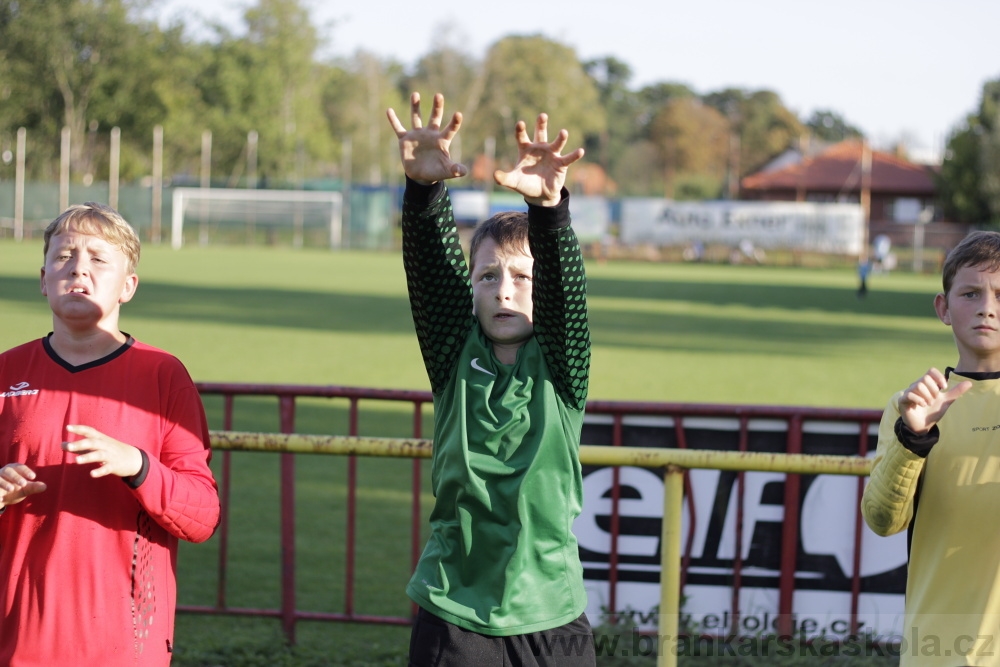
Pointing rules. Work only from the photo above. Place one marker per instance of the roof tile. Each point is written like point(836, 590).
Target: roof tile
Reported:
point(838, 170)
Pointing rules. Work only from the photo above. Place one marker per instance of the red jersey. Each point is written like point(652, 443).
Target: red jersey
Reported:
point(88, 566)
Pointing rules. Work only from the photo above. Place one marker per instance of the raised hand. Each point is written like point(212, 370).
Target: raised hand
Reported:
point(925, 401)
point(424, 150)
point(17, 482)
point(540, 172)
point(115, 458)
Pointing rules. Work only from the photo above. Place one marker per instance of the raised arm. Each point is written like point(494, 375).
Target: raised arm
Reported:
point(559, 283)
point(559, 297)
point(437, 276)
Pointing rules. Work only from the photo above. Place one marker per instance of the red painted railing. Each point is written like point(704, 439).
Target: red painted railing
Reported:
point(619, 412)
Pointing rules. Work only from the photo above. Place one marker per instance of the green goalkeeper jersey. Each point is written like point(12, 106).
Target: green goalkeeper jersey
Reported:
point(501, 558)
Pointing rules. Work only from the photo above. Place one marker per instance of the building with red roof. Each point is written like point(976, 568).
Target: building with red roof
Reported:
point(894, 192)
point(899, 190)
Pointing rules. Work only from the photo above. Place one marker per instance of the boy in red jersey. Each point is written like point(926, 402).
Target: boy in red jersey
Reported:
point(105, 451)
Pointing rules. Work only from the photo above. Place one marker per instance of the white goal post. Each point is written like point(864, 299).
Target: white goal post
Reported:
point(280, 208)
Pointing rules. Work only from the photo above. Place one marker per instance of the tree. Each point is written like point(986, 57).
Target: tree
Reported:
point(181, 87)
point(958, 182)
point(627, 149)
point(692, 139)
point(656, 95)
point(451, 71)
point(355, 95)
point(639, 170)
point(266, 81)
point(281, 42)
point(763, 126)
point(623, 129)
point(989, 148)
point(447, 69)
point(525, 75)
point(827, 125)
point(76, 64)
point(970, 172)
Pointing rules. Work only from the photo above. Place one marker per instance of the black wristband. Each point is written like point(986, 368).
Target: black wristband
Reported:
point(417, 194)
point(135, 480)
point(918, 443)
point(551, 217)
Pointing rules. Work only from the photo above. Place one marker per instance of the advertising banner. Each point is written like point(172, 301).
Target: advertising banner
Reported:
point(591, 215)
point(591, 218)
point(826, 228)
point(828, 510)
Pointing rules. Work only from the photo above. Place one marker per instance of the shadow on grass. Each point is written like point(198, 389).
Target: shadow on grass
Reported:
point(830, 299)
point(297, 309)
point(359, 313)
point(697, 333)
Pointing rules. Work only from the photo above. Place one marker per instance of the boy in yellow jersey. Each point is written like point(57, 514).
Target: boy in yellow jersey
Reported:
point(937, 474)
point(506, 345)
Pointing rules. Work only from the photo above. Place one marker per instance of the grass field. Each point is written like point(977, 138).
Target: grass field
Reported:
point(661, 332)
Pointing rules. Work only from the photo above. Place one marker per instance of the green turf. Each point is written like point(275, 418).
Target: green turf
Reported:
point(661, 332)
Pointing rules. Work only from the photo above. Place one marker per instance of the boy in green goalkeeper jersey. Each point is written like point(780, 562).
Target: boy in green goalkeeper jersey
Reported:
point(506, 345)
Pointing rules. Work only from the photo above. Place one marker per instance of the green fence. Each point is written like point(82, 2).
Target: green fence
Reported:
point(369, 217)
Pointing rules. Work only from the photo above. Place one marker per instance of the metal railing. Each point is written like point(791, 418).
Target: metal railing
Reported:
point(675, 462)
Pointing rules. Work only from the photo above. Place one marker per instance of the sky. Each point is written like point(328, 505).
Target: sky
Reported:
point(897, 69)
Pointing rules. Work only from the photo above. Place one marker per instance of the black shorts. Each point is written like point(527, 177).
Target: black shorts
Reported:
point(435, 642)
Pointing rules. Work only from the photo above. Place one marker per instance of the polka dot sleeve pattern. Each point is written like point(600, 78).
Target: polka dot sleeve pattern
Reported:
point(559, 293)
point(437, 278)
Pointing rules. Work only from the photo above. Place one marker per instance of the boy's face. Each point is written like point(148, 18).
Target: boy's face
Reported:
point(85, 278)
point(501, 296)
point(972, 309)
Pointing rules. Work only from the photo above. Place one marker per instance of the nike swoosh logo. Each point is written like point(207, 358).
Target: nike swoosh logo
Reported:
point(475, 364)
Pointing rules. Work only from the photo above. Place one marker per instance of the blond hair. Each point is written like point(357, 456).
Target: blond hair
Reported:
point(101, 221)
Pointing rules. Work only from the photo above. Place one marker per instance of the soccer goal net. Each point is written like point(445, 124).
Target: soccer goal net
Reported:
point(220, 215)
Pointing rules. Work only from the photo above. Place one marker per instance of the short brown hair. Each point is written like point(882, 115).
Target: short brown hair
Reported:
point(979, 249)
point(99, 220)
point(509, 230)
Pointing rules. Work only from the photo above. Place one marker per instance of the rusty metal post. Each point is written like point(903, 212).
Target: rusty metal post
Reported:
point(670, 567)
point(616, 495)
point(790, 535)
point(416, 518)
point(350, 545)
point(288, 618)
point(858, 535)
point(225, 487)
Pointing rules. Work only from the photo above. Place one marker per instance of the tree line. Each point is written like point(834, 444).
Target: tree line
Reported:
point(91, 65)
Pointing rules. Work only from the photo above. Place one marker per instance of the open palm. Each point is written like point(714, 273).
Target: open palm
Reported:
point(540, 172)
point(424, 150)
